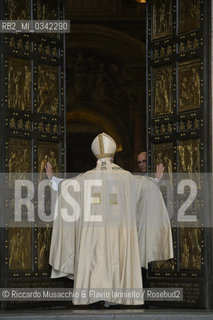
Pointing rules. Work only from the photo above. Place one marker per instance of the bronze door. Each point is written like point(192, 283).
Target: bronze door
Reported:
point(178, 134)
point(32, 132)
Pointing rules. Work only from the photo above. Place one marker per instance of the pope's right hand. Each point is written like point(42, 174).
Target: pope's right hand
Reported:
point(49, 170)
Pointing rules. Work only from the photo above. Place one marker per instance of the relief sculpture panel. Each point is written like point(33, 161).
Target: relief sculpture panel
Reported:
point(19, 155)
point(44, 237)
point(189, 85)
point(163, 91)
point(189, 156)
point(190, 248)
point(163, 265)
point(162, 18)
point(189, 15)
point(190, 238)
point(189, 159)
point(20, 254)
point(19, 10)
point(47, 9)
point(19, 159)
point(19, 84)
point(48, 89)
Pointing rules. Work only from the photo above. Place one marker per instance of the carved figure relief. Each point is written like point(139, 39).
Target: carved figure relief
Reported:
point(12, 123)
point(48, 90)
point(189, 16)
point(160, 51)
point(163, 265)
point(19, 10)
point(41, 127)
point(19, 159)
point(19, 84)
point(12, 42)
point(19, 155)
point(20, 124)
point(189, 156)
point(162, 18)
point(163, 84)
point(193, 124)
point(47, 9)
point(20, 256)
point(48, 50)
point(189, 85)
point(22, 44)
point(43, 248)
point(162, 128)
point(189, 159)
point(190, 248)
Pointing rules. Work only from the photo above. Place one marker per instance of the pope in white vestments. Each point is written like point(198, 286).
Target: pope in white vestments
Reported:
point(108, 224)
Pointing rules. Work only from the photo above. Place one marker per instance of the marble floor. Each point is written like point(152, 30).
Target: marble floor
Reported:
point(123, 314)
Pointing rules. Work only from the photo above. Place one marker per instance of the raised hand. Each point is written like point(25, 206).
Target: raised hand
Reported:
point(159, 171)
point(49, 170)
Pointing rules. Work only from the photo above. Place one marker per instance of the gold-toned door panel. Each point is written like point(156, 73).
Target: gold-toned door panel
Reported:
point(19, 10)
point(163, 91)
point(189, 85)
point(44, 237)
point(189, 156)
point(20, 155)
point(20, 251)
point(190, 248)
point(189, 16)
point(48, 95)
point(19, 84)
point(162, 18)
point(163, 265)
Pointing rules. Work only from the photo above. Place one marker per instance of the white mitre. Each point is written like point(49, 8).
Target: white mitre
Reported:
point(103, 147)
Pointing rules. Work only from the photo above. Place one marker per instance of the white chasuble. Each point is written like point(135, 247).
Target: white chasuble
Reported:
point(108, 224)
